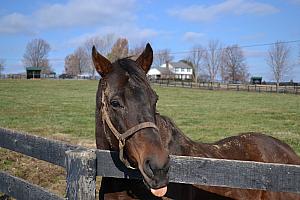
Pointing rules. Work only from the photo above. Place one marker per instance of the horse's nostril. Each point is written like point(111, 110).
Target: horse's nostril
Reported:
point(148, 169)
point(152, 168)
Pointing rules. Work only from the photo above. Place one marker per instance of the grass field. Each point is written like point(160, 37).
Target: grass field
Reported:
point(65, 110)
point(49, 107)
point(211, 115)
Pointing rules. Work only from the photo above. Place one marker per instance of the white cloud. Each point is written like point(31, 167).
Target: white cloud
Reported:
point(192, 37)
point(202, 13)
point(79, 13)
point(117, 16)
point(132, 32)
point(71, 14)
point(15, 22)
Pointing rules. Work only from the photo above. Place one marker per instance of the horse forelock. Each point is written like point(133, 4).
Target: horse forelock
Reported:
point(137, 76)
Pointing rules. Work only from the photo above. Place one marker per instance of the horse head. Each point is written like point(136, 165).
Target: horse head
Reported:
point(127, 109)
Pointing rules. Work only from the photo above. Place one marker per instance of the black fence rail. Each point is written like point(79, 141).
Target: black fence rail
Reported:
point(295, 89)
point(83, 165)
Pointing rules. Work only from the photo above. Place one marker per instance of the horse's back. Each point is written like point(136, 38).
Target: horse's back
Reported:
point(256, 147)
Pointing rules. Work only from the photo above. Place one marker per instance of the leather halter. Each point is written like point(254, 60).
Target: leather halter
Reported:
point(122, 137)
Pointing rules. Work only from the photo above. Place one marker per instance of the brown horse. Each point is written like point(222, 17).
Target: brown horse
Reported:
point(127, 121)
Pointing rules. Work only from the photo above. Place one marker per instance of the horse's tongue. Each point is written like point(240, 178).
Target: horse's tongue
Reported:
point(159, 192)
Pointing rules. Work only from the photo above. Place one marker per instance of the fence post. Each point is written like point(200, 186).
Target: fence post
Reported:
point(81, 174)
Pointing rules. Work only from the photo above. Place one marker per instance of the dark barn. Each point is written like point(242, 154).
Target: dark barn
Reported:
point(256, 80)
point(33, 72)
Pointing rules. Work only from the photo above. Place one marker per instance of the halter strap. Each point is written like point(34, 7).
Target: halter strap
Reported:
point(122, 137)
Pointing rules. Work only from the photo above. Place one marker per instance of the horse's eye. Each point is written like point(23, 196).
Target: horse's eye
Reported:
point(115, 104)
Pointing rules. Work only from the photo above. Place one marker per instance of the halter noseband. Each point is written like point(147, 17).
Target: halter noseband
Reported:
point(122, 137)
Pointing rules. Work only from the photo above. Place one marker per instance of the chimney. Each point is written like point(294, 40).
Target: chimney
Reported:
point(167, 64)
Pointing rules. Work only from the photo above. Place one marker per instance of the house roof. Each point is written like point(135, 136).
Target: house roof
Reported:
point(34, 68)
point(180, 64)
point(165, 71)
point(154, 71)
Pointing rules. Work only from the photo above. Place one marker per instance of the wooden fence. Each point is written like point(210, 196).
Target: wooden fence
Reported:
point(235, 87)
point(83, 165)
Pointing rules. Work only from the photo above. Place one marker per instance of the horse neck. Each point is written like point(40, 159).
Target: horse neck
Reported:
point(179, 144)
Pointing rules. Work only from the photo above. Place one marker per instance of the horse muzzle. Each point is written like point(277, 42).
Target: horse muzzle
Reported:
point(155, 174)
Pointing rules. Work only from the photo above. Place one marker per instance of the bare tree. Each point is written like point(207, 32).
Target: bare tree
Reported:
point(77, 63)
point(119, 50)
point(222, 70)
point(213, 59)
point(2, 62)
point(234, 66)
point(36, 55)
point(162, 56)
point(82, 60)
point(103, 45)
point(278, 56)
point(195, 58)
point(71, 65)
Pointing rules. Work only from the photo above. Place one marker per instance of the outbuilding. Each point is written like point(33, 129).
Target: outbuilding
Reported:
point(33, 72)
point(256, 80)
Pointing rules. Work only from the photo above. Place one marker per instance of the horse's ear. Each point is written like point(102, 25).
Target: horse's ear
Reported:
point(102, 64)
point(146, 58)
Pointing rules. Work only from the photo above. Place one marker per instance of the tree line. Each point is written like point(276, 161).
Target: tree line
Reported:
point(80, 61)
point(229, 63)
point(209, 63)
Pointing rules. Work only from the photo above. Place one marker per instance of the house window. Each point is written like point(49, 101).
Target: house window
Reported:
point(189, 70)
point(176, 69)
point(182, 69)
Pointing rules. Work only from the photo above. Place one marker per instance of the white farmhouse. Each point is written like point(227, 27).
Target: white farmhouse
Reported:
point(180, 70)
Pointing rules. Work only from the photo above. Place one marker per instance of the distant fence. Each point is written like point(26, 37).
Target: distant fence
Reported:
point(44, 76)
point(234, 87)
point(83, 165)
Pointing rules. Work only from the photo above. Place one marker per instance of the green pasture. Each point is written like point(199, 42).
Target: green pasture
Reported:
point(47, 107)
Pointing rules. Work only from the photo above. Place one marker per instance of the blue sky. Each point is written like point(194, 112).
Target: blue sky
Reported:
point(171, 24)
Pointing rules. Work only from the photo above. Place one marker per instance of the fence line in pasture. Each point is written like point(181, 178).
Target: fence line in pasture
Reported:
point(83, 165)
point(234, 87)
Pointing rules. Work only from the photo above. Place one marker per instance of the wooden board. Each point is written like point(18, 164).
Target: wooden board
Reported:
point(22, 190)
point(41, 148)
point(213, 172)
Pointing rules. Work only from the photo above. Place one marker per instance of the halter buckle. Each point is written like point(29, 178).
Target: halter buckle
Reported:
point(121, 154)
